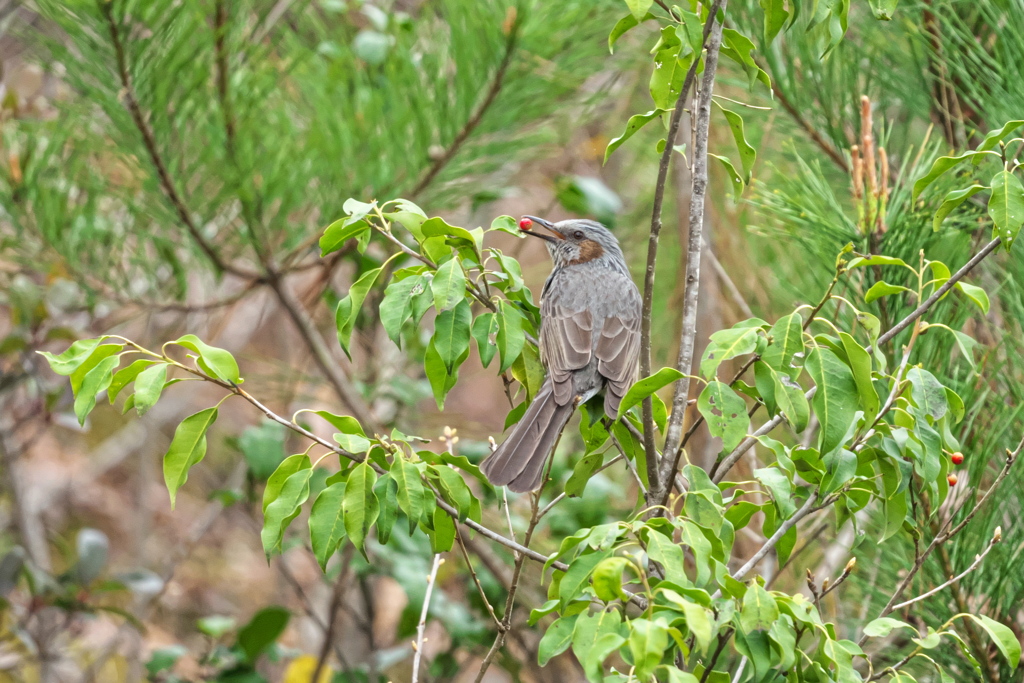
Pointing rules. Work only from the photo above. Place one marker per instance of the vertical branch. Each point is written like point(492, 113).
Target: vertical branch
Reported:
point(691, 294)
point(418, 645)
point(652, 243)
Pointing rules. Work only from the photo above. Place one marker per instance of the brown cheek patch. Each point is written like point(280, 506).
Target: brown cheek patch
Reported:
point(589, 250)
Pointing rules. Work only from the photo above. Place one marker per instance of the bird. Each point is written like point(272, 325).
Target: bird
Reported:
point(590, 313)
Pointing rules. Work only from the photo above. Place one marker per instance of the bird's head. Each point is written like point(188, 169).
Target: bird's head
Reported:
point(578, 241)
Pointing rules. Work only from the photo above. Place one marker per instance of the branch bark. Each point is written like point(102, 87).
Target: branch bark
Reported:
point(699, 182)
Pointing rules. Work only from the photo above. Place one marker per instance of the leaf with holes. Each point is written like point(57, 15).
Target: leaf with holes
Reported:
point(726, 344)
point(725, 413)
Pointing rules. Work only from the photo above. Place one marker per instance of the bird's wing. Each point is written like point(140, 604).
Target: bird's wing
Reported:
point(618, 348)
point(565, 344)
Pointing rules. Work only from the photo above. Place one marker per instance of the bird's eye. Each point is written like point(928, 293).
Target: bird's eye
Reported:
point(578, 235)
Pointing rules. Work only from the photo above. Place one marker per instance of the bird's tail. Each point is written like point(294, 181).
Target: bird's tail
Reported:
point(519, 461)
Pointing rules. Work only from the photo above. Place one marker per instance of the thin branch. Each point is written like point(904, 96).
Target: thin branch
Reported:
point(804, 510)
point(421, 627)
point(974, 565)
point(727, 282)
point(825, 146)
point(699, 181)
point(942, 537)
point(771, 424)
point(652, 245)
point(149, 141)
point(471, 124)
point(337, 595)
point(476, 579)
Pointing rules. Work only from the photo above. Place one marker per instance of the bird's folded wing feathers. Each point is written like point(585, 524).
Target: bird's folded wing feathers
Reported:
point(565, 343)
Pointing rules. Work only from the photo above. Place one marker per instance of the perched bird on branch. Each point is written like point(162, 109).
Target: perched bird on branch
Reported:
point(589, 342)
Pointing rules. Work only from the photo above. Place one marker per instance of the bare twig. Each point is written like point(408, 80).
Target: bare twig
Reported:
point(417, 646)
point(699, 183)
point(727, 282)
point(652, 244)
point(974, 565)
point(337, 595)
point(943, 536)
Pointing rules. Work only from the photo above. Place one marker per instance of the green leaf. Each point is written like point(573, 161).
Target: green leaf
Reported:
point(451, 332)
point(73, 357)
point(411, 493)
point(341, 231)
point(775, 16)
point(725, 413)
point(453, 488)
point(738, 48)
point(219, 362)
point(647, 386)
point(639, 8)
point(608, 578)
point(875, 260)
point(448, 285)
point(484, 328)
point(787, 341)
point(748, 155)
point(662, 550)
point(882, 288)
point(669, 70)
point(288, 467)
point(1005, 640)
point(443, 538)
point(510, 337)
point(528, 370)
point(953, 200)
point(944, 164)
point(975, 294)
point(262, 630)
point(621, 27)
point(349, 307)
point(441, 380)
point(1006, 206)
point(396, 307)
point(698, 622)
point(991, 140)
point(776, 481)
point(883, 626)
point(581, 473)
point(576, 578)
point(360, 504)
point(835, 401)
point(126, 376)
point(594, 638)
point(386, 490)
point(634, 124)
point(96, 380)
point(284, 508)
point(556, 639)
point(860, 362)
point(726, 344)
point(928, 393)
point(734, 175)
point(790, 398)
point(674, 675)
point(327, 523)
point(148, 387)
point(883, 9)
point(648, 641)
point(187, 448)
point(759, 610)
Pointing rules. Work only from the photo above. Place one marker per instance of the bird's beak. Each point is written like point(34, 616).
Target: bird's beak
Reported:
point(547, 225)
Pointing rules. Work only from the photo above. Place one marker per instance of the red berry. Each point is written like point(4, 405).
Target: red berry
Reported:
point(957, 458)
point(525, 224)
point(951, 479)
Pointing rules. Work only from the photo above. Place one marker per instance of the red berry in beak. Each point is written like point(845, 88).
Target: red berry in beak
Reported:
point(525, 224)
point(951, 479)
point(957, 458)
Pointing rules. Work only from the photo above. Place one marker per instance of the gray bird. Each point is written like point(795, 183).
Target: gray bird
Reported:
point(589, 342)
